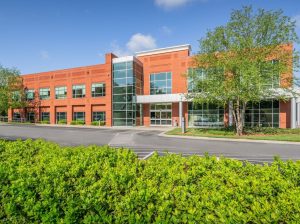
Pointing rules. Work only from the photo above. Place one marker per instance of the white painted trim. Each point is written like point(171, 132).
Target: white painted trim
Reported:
point(161, 98)
point(164, 50)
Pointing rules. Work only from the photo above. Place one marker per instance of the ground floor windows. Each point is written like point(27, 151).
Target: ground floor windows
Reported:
point(45, 116)
point(30, 117)
point(79, 116)
point(262, 114)
point(98, 116)
point(205, 115)
point(16, 117)
point(61, 117)
point(161, 114)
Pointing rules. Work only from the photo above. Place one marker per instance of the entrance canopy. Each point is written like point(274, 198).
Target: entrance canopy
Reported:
point(161, 98)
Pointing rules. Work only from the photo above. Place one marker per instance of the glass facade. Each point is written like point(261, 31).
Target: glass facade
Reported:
point(205, 115)
point(98, 116)
point(30, 94)
point(61, 116)
point(161, 114)
point(44, 93)
point(161, 83)
point(194, 76)
point(98, 89)
point(79, 116)
point(78, 91)
point(45, 116)
point(262, 114)
point(273, 80)
point(61, 92)
point(127, 83)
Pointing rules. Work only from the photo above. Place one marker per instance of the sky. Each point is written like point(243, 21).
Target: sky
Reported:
point(40, 35)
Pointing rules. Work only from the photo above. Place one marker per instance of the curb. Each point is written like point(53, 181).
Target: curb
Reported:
point(163, 134)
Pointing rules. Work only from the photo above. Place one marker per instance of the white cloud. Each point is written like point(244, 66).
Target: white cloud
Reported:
point(137, 42)
point(297, 19)
point(44, 54)
point(169, 4)
point(166, 30)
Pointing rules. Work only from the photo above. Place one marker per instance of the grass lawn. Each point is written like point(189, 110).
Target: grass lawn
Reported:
point(292, 135)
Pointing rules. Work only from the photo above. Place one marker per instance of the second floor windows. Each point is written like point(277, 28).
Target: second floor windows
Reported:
point(161, 83)
point(30, 94)
point(78, 91)
point(44, 93)
point(61, 92)
point(98, 89)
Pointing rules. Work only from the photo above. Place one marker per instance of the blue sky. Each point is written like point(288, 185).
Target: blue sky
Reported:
point(38, 35)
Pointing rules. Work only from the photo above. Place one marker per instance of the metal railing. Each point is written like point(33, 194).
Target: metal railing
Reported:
point(3, 119)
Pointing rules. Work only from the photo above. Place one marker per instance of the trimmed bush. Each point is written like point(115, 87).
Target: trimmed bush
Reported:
point(42, 182)
point(63, 121)
point(96, 123)
point(45, 122)
point(77, 122)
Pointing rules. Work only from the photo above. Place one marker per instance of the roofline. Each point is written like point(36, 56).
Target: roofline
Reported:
point(164, 50)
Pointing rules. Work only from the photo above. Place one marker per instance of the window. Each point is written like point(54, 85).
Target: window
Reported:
point(61, 92)
point(16, 96)
point(44, 93)
point(30, 94)
point(61, 117)
point(16, 116)
point(98, 116)
point(262, 114)
point(78, 91)
point(205, 115)
point(45, 116)
point(272, 79)
point(98, 89)
point(161, 83)
point(79, 116)
point(194, 76)
point(30, 117)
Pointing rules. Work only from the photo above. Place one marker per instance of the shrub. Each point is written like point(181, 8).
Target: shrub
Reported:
point(77, 122)
point(63, 121)
point(45, 122)
point(97, 123)
point(42, 182)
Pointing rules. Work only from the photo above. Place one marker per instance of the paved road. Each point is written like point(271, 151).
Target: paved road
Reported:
point(145, 141)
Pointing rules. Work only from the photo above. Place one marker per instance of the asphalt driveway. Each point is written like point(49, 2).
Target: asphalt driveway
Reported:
point(144, 141)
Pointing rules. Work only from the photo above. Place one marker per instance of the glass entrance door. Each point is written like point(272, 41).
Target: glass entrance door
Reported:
point(161, 114)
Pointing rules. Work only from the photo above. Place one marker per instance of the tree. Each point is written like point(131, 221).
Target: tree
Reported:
point(249, 58)
point(11, 90)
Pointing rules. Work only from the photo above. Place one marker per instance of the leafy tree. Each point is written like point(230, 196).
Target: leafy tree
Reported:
point(242, 61)
point(11, 90)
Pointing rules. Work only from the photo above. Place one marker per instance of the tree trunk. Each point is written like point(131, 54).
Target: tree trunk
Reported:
point(238, 116)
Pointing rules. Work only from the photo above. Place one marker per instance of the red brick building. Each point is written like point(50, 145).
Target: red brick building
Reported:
point(146, 89)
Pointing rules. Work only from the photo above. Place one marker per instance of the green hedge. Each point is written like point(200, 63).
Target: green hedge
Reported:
point(63, 121)
point(77, 122)
point(42, 182)
point(97, 123)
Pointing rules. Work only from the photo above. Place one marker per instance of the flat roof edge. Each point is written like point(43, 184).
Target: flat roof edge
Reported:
point(164, 50)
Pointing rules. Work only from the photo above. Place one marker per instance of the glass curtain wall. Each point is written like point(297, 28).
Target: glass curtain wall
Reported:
point(262, 114)
point(205, 115)
point(127, 83)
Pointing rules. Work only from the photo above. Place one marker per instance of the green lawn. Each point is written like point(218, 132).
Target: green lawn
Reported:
point(292, 135)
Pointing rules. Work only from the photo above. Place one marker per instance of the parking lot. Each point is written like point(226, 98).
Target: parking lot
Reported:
point(144, 141)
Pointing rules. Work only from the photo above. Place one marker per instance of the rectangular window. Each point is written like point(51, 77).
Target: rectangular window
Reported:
point(194, 76)
point(98, 89)
point(30, 117)
point(78, 91)
point(61, 92)
point(262, 114)
point(79, 116)
point(161, 83)
point(99, 116)
point(61, 117)
point(30, 94)
point(45, 116)
point(16, 117)
point(44, 93)
point(16, 96)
